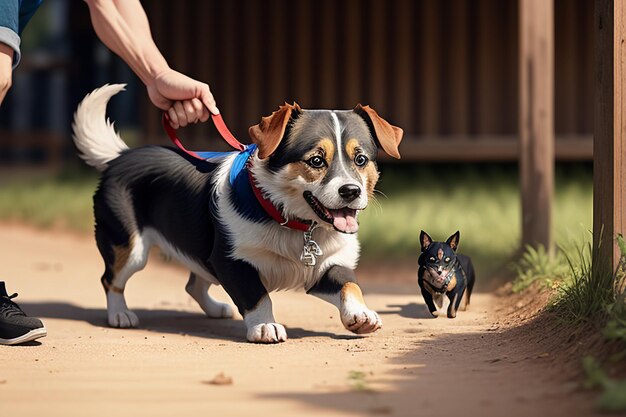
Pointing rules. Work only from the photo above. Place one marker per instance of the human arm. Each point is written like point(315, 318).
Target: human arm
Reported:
point(123, 26)
point(6, 69)
point(9, 43)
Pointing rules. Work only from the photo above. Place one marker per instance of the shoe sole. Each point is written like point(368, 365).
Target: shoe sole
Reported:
point(28, 337)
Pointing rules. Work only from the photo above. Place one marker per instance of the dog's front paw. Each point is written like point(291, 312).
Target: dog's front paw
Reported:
point(267, 333)
point(362, 322)
point(123, 319)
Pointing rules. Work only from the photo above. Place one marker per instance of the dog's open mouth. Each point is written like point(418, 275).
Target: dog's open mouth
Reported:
point(343, 219)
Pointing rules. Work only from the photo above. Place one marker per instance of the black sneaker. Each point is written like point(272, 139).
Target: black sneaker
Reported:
point(15, 326)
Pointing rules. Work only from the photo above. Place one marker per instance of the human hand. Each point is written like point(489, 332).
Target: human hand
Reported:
point(185, 99)
point(6, 69)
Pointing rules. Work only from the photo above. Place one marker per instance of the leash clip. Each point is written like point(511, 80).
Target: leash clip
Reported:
point(311, 250)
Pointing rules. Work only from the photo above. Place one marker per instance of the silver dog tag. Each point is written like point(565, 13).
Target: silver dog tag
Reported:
point(311, 250)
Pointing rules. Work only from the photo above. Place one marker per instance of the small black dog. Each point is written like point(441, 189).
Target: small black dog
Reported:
point(443, 271)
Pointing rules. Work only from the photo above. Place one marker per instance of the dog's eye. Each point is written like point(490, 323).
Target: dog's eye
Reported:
point(317, 162)
point(432, 259)
point(447, 259)
point(360, 160)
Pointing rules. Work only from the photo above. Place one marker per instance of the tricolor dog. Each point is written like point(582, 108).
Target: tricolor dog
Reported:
point(443, 271)
point(281, 214)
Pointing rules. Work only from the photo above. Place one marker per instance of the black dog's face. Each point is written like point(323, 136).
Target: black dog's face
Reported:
point(323, 167)
point(438, 258)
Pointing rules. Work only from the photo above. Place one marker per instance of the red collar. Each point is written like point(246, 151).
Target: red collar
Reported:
point(267, 205)
point(272, 210)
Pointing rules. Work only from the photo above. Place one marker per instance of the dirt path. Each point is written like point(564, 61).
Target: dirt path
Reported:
point(415, 366)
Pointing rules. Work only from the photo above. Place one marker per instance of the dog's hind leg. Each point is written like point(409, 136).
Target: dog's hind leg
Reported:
point(122, 261)
point(198, 288)
point(464, 303)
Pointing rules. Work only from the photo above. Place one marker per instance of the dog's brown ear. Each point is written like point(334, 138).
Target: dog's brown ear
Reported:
point(387, 135)
point(425, 240)
point(453, 240)
point(268, 134)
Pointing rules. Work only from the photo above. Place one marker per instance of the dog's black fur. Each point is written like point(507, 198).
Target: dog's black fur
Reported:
point(438, 261)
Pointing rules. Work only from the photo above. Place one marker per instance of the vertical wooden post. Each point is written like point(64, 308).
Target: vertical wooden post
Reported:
point(537, 120)
point(609, 151)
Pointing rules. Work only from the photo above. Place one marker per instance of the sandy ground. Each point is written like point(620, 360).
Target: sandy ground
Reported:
point(469, 366)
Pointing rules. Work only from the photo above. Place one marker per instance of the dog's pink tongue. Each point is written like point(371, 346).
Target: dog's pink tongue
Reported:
point(344, 220)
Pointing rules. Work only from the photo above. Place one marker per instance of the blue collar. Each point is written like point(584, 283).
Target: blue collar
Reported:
point(242, 196)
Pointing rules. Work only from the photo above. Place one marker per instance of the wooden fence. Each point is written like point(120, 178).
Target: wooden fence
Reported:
point(445, 70)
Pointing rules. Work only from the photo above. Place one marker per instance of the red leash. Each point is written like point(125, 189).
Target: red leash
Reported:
point(219, 124)
point(267, 205)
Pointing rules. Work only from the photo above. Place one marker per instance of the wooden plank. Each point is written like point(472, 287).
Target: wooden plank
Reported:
point(354, 46)
point(277, 68)
point(429, 59)
point(487, 60)
point(252, 61)
point(403, 74)
point(303, 64)
point(229, 19)
point(566, 70)
point(609, 164)
point(459, 82)
point(378, 59)
point(327, 50)
point(586, 82)
point(486, 148)
point(537, 120)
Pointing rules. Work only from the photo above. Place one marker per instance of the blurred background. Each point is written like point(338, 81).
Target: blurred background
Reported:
point(446, 71)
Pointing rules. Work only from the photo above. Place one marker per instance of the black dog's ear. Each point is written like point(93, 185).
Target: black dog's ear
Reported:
point(425, 240)
point(268, 134)
point(453, 240)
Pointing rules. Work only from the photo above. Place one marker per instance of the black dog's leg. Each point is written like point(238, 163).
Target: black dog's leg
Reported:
point(455, 296)
point(470, 275)
point(428, 298)
point(338, 286)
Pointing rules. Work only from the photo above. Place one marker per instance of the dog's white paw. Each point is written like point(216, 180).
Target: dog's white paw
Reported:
point(362, 322)
point(267, 333)
point(123, 319)
point(219, 310)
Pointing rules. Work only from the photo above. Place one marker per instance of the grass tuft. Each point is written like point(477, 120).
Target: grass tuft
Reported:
point(536, 265)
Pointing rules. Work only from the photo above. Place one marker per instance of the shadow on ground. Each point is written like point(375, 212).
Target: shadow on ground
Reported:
point(166, 321)
point(494, 371)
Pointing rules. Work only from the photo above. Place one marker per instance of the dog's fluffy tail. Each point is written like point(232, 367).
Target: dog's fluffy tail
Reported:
point(94, 135)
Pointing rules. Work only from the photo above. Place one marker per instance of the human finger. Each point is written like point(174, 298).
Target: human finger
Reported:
point(180, 112)
point(208, 100)
point(173, 117)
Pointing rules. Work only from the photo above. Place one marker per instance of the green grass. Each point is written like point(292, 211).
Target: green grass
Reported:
point(536, 265)
point(586, 296)
point(64, 201)
point(482, 201)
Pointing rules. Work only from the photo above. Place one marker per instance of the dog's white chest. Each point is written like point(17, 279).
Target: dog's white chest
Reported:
point(276, 253)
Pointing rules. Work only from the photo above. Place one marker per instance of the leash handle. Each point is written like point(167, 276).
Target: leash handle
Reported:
point(220, 125)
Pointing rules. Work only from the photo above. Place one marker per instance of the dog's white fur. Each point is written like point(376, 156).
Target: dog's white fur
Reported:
point(199, 291)
point(272, 249)
point(95, 135)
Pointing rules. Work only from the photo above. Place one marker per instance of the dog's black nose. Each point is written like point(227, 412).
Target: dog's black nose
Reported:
point(349, 192)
